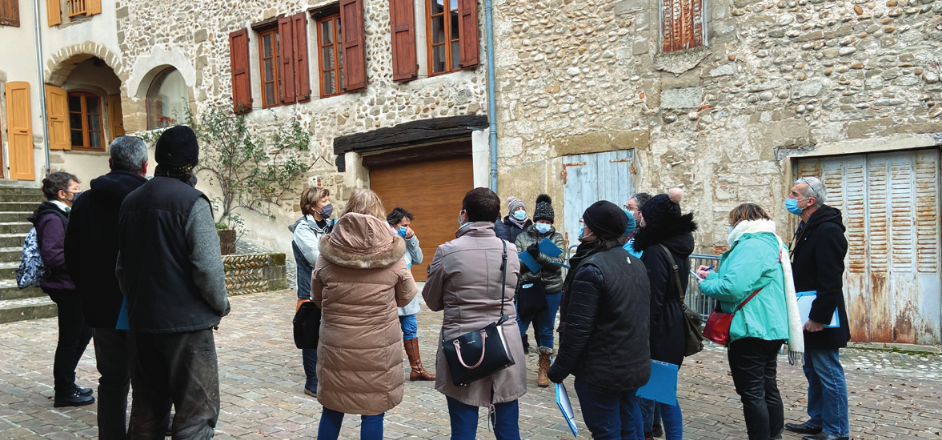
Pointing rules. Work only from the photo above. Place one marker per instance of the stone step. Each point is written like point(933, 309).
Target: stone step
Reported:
point(19, 206)
point(8, 254)
point(15, 227)
point(8, 270)
point(9, 290)
point(12, 240)
point(31, 198)
point(16, 216)
point(20, 190)
point(12, 310)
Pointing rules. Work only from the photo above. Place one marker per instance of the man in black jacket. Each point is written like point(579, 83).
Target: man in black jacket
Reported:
point(91, 250)
point(604, 326)
point(818, 252)
point(170, 270)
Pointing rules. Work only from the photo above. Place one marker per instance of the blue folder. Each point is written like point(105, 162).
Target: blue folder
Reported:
point(123, 316)
point(662, 386)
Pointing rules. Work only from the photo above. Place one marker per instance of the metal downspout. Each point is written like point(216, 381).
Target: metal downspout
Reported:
point(491, 99)
point(42, 81)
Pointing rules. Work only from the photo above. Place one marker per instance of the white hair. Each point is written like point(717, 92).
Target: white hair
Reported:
point(814, 188)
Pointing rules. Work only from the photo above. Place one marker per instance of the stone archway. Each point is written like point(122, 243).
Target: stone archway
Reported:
point(61, 63)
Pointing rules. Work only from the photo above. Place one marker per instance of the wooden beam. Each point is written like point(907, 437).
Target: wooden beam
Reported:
point(410, 134)
point(448, 150)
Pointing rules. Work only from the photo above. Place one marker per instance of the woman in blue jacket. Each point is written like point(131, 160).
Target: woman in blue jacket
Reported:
point(754, 275)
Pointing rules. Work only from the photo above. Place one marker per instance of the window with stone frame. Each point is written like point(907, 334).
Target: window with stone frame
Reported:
point(452, 29)
point(268, 47)
point(330, 55)
point(85, 121)
point(683, 24)
point(167, 100)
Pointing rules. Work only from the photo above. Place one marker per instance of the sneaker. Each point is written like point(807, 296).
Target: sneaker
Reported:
point(310, 393)
point(84, 392)
point(73, 399)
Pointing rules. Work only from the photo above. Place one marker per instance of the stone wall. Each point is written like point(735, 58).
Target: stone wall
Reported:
point(778, 79)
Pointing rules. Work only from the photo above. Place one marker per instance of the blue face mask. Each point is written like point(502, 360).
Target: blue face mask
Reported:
point(792, 206)
point(520, 215)
point(402, 231)
point(581, 230)
point(543, 227)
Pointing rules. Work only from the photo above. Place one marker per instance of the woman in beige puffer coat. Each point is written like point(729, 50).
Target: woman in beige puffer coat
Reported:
point(359, 281)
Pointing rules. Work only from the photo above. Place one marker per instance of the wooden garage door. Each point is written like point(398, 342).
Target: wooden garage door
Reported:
point(890, 204)
point(432, 191)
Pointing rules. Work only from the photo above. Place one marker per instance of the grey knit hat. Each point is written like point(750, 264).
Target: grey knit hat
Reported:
point(544, 209)
point(513, 203)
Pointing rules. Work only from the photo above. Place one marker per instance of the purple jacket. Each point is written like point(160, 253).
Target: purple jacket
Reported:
point(51, 223)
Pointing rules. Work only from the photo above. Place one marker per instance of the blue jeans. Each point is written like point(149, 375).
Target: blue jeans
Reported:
point(464, 420)
point(609, 414)
point(371, 427)
point(410, 327)
point(308, 356)
point(827, 391)
point(543, 322)
point(673, 420)
point(651, 414)
point(309, 359)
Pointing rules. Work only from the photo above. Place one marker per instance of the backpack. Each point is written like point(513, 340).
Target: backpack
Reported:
point(31, 271)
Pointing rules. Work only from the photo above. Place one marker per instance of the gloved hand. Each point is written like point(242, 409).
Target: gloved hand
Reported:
point(534, 249)
point(556, 374)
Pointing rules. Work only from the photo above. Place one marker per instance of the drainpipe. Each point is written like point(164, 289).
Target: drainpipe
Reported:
point(491, 99)
point(42, 81)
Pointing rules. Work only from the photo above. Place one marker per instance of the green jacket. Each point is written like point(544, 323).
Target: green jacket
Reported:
point(552, 272)
point(751, 263)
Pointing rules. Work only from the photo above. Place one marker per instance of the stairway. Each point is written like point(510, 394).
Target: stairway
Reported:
point(18, 305)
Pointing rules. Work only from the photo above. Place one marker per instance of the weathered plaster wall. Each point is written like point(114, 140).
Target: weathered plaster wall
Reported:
point(779, 78)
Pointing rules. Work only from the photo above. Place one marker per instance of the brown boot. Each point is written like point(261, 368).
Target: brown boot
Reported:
point(542, 379)
point(415, 361)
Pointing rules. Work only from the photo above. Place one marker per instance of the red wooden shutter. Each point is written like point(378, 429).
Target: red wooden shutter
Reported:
point(402, 21)
point(9, 13)
point(354, 45)
point(468, 34)
point(241, 74)
point(286, 58)
point(301, 69)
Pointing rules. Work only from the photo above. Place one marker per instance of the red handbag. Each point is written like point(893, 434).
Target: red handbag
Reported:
point(717, 325)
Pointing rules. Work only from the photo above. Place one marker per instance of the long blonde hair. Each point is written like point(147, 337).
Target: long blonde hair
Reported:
point(364, 201)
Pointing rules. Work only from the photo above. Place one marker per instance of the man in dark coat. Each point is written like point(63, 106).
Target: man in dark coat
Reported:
point(170, 270)
point(604, 326)
point(91, 250)
point(51, 220)
point(818, 252)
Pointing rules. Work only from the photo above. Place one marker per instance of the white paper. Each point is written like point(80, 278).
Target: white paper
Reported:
point(805, 299)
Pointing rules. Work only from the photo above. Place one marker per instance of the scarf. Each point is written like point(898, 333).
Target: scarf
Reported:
point(796, 342)
point(519, 223)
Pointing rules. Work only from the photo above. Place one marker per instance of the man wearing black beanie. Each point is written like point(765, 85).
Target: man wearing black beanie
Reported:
point(170, 270)
point(604, 326)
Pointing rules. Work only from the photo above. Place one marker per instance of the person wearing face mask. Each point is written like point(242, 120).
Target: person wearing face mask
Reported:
point(51, 220)
point(547, 282)
point(603, 330)
point(400, 222)
point(818, 251)
point(315, 222)
point(517, 221)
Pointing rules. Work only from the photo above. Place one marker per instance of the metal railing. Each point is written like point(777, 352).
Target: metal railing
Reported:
point(694, 299)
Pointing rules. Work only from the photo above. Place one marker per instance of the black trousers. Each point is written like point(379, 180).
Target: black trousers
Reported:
point(74, 335)
point(178, 369)
point(753, 364)
point(114, 364)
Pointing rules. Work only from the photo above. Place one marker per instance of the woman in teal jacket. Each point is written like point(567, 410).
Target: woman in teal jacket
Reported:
point(760, 327)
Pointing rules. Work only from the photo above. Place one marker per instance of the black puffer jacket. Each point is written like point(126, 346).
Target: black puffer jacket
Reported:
point(818, 264)
point(667, 314)
point(552, 272)
point(513, 230)
point(603, 320)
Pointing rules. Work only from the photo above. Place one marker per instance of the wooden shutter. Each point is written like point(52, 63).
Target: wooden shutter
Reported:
point(241, 74)
point(301, 68)
point(53, 13)
point(354, 45)
point(92, 7)
point(286, 59)
point(19, 131)
point(468, 34)
point(115, 116)
point(402, 21)
point(57, 116)
point(10, 13)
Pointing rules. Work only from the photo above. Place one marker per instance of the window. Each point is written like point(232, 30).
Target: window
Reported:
point(452, 35)
point(167, 100)
point(682, 25)
point(330, 55)
point(85, 120)
point(10, 13)
point(83, 7)
point(268, 46)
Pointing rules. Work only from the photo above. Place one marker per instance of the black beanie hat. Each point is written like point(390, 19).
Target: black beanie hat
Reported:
point(177, 149)
point(662, 207)
point(544, 209)
point(605, 219)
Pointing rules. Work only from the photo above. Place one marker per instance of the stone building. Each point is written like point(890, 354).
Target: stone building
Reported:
point(733, 100)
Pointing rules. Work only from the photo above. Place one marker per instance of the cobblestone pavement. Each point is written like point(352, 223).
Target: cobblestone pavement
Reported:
point(892, 395)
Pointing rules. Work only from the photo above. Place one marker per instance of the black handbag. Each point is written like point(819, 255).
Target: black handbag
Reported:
point(531, 298)
point(307, 323)
point(481, 353)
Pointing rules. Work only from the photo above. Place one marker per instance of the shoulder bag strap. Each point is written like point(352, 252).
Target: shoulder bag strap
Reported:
point(670, 257)
point(503, 283)
point(748, 299)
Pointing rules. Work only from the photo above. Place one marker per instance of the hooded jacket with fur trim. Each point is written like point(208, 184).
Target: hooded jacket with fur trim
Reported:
point(358, 282)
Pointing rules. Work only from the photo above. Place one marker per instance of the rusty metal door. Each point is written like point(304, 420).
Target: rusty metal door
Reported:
point(588, 178)
point(890, 203)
